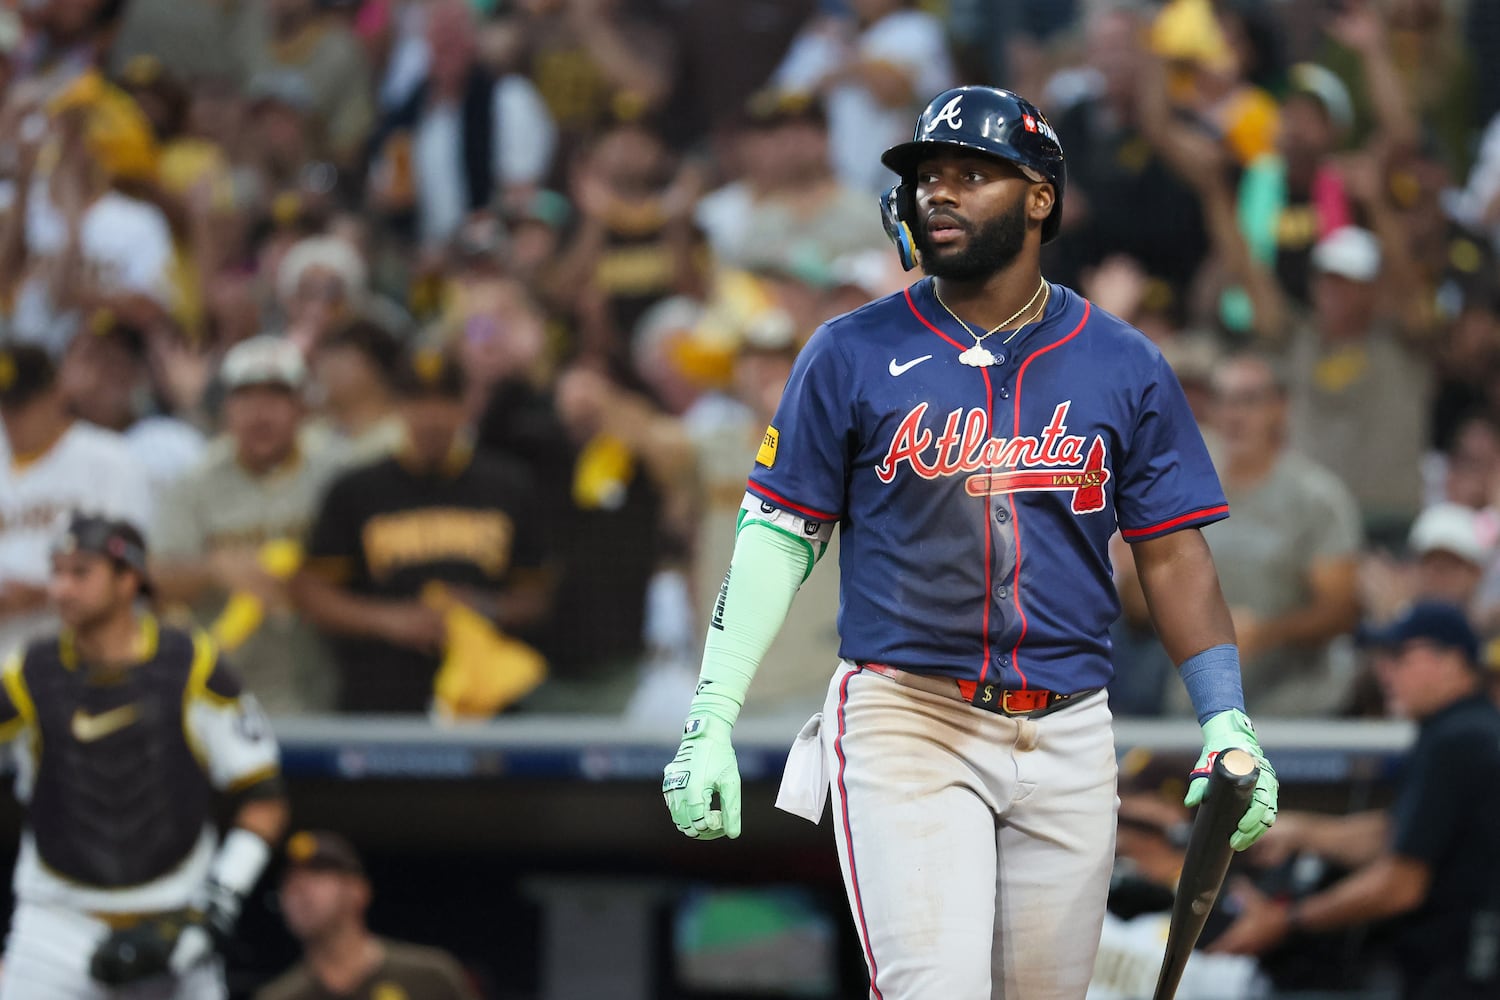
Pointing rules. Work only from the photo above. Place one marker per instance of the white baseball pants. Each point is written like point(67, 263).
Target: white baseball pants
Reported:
point(47, 958)
point(976, 848)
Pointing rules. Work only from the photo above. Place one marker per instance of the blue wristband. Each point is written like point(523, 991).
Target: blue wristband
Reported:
point(1212, 679)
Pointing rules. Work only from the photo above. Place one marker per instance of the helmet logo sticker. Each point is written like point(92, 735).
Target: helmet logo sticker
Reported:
point(1036, 123)
point(950, 114)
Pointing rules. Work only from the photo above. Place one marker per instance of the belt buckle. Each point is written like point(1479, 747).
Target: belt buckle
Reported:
point(1033, 700)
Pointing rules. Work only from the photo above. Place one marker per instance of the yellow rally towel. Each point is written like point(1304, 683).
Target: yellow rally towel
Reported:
point(244, 612)
point(116, 131)
point(1189, 31)
point(484, 670)
point(605, 469)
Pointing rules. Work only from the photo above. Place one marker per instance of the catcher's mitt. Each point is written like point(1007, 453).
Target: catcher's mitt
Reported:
point(142, 951)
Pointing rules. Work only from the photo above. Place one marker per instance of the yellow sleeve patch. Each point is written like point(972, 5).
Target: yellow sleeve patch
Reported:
point(767, 454)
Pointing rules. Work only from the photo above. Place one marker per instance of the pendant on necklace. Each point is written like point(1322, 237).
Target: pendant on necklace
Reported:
point(977, 357)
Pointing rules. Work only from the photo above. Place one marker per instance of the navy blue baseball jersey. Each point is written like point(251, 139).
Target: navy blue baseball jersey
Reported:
point(975, 504)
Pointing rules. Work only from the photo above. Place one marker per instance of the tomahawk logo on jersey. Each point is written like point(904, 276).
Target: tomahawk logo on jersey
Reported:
point(1079, 428)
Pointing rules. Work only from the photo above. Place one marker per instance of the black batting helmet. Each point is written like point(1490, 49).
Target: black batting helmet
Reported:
point(987, 120)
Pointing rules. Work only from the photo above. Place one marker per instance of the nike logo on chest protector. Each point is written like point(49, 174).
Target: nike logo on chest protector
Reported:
point(88, 728)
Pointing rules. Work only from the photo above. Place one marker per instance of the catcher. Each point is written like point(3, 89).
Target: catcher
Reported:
point(123, 729)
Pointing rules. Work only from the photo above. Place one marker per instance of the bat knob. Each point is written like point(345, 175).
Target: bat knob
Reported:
point(1239, 763)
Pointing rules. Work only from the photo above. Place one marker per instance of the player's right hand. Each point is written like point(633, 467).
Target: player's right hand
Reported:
point(1234, 730)
point(705, 764)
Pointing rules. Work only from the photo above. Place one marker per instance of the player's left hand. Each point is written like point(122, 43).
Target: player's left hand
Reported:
point(137, 953)
point(169, 944)
point(1234, 730)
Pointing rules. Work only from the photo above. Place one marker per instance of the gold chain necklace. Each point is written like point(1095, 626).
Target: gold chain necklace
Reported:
point(980, 356)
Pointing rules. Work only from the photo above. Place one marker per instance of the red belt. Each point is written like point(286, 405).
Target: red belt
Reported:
point(1030, 703)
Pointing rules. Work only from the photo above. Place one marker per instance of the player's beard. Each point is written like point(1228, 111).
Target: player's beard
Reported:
point(990, 248)
point(87, 619)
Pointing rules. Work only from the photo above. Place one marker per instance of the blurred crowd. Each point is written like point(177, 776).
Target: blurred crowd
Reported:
point(431, 340)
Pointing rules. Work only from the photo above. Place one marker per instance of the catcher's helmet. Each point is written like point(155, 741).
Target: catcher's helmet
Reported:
point(985, 119)
point(118, 540)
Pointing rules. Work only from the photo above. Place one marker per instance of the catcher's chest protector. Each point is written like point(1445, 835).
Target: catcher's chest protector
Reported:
point(119, 797)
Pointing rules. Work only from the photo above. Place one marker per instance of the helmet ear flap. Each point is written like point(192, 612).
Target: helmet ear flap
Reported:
point(897, 209)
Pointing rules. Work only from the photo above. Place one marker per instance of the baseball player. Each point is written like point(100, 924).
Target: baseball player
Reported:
point(978, 437)
point(123, 730)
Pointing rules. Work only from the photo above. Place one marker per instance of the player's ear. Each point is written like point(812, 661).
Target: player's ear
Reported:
point(1039, 201)
point(360, 894)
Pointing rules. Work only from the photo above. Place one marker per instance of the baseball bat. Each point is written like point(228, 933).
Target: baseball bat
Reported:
point(1207, 860)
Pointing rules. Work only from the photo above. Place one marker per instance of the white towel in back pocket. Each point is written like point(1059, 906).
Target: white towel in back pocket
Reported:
point(804, 783)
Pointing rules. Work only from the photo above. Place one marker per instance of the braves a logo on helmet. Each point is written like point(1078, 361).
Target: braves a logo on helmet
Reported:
point(1052, 462)
point(950, 114)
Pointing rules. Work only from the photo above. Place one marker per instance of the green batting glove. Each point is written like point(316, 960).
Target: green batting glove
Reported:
point(1227, 731)
point(704, 764)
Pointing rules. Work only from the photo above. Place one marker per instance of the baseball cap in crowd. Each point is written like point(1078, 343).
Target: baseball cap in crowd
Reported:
point(118, 540)
point(1349, 252)
point(263, 360)
point(1323, 86)
point(430, 372)
point(377, 344)
point(771, 332)
point(1451, 527)
point(322, 850)
point(26, 371)
point(1437, 622)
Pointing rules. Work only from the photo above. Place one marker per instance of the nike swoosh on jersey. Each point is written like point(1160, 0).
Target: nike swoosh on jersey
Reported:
point(899, 369)
point(88, 728)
